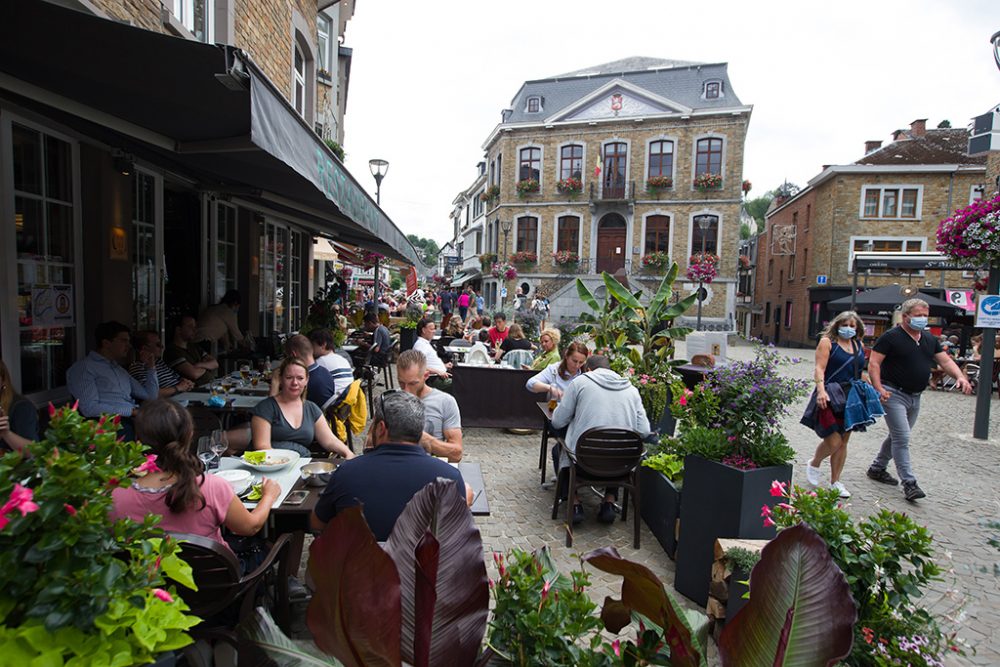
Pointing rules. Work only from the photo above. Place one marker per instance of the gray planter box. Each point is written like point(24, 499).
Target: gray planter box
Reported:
point(660, 507)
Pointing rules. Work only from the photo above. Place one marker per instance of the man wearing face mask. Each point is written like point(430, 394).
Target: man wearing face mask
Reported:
point(899, 367)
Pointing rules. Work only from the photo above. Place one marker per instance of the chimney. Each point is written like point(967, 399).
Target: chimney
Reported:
point(872, 145)
point(898, 134)
point(918, 128)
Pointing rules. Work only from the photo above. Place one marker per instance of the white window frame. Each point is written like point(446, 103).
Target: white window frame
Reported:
point(690, 239)
point(881, 187)
point(324, 50)
point(527, 104)
point(158, 247)
point(213, 252)
point(704, 90)
point(299, 79)
point(976, 192)
point(921, 240)
point(184, 11)
point(555, 230)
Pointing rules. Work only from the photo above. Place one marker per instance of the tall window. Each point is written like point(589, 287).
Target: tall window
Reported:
point(568, 233)
point(323, 41)
point(527, 234)
point(657, 234)
point(531, 164)
point(281, 252)
point(47, 320)
point(891, 202)
point(225, 249)
point(196, 16)
point(885, 244)
point(709, 236)
point(299, 85)
point(145, 283)
point(570, 161)
point(709, 157)
point(661, 158)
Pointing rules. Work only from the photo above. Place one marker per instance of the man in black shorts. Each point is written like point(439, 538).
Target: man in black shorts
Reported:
point(899, 367)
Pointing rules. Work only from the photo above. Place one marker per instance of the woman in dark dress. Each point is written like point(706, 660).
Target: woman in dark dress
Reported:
point(18, 418)
point(515, 340)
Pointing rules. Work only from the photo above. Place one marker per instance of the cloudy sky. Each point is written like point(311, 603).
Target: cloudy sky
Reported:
point(428, 79)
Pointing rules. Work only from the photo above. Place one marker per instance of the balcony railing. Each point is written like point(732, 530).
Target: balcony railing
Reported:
point(612, 191)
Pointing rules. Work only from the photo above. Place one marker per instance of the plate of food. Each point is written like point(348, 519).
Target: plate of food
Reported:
point(270, 460)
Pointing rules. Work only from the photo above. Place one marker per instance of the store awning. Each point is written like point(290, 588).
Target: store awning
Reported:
point(204, 111)
point(323, 251)
point(465, 277)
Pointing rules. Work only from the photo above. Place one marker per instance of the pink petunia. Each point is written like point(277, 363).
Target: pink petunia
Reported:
point(163, 595)
point(778, 489)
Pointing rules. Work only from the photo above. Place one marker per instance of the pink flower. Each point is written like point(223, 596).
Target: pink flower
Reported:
point(768, 522)
point(52, 410)
point(163, 595)
point(765, 511)
point(69, 509)
point(545, 590)
point(643, 381)
point(786, 506)
point(20, 499)
point(76, 405)
point(149, 465)
point(616, 646)
point(778, 489)
point(683, 400)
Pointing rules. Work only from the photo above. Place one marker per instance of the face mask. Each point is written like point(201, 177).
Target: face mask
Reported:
point(846, 332)
point(918, 323)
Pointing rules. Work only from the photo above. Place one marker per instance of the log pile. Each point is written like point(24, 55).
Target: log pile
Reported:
point(722, 574)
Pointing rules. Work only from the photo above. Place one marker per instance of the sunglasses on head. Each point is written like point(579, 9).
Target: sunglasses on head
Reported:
point(381, 400)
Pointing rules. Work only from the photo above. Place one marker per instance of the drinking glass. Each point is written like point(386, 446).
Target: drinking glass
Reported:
point(205, 452)
point(245, 372)
point(219, 442)
point(254, 379)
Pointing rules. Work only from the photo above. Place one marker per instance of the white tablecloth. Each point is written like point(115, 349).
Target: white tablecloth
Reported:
point(239, 402)
point(286, 477)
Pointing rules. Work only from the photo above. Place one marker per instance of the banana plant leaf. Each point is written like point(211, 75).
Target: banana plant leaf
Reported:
point(587, 296)
point(643, 593)
point(442, 579)
point(264, 632)
point(800, 614)
point(355, 611)
point(619, 292)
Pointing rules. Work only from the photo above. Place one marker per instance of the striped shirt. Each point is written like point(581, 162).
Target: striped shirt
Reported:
point(340, 371)
point(165, 375)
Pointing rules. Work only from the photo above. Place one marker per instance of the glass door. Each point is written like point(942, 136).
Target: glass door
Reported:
point(147, 256)
point(615, 158)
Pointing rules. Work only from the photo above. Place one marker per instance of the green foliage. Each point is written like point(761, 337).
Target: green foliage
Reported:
point(395, 282)
point(742, 559)
point(323, 312)
point(888, 561)
point(72, 582)
point(428, 248)
point(337, 149)
point(708, 443)
point(668, 463)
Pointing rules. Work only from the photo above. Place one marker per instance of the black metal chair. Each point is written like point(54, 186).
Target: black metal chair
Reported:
point(608, 456)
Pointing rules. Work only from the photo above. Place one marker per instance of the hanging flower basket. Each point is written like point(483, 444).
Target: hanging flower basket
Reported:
point(569, 186)
point(528, 186)
point(657, 183)
point(706, 182)
point(503, 270)
point(346, 272)
point(746, 186)
point(972, 234)
point(491, 193)
point(703, 267)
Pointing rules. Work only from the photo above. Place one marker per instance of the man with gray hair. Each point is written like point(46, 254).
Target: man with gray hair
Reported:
point(387, 477)
point(899, 368)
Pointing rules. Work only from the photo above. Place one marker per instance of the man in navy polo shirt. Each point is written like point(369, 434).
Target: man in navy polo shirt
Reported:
point(385, 479)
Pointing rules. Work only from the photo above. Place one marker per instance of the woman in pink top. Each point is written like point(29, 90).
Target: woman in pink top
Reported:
point(463, 305)
point(178, 490)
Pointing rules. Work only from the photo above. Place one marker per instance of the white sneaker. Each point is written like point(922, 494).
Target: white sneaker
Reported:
point(844, 493)
point(812, 474)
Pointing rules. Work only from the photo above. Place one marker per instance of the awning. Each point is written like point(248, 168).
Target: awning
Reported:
point(323, 251)
point(204, 111)
point(465, 277)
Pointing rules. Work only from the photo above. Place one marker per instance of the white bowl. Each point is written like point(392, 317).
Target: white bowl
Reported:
point(277, 459)
point(238, 479)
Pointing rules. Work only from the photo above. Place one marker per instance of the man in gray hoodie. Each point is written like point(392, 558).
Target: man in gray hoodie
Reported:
point(600, 398)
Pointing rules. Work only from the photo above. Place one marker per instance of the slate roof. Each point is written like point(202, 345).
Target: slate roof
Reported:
point(944, 146)
point(680, 81)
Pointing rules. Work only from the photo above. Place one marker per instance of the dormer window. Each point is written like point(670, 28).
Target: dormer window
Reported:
point(534, 104)
point(713, 89)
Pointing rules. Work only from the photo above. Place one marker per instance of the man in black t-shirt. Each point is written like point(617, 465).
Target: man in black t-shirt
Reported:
point(385, 479)
point(899, 367)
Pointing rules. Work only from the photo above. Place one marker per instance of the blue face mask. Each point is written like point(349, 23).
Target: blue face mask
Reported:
point(846, 332)
point(918, 323)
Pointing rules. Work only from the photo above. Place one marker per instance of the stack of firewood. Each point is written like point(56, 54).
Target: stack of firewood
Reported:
point(722, 584)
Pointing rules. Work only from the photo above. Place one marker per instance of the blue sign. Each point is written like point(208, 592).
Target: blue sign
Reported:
point(820, 280)
point(988, 311)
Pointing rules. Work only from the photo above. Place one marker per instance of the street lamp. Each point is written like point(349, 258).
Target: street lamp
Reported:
point(995, 39)
point(704, 222)
point(379, 169)
point(505, 227)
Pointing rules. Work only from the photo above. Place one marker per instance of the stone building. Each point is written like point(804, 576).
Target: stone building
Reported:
point(890, 200)
point(600, 165)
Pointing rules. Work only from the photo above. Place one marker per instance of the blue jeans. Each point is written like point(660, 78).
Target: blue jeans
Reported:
point(901, 411)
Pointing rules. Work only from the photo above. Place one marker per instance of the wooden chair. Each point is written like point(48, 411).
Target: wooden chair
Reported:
point(217, 574)
point(608, 456)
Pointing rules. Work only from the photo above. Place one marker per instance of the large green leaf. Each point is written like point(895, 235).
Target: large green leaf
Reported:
point(801, 612)
point(620, 292)
point(586, 296)
point(262, 631)
point(643, 592)
point(664, 291)
point(461, 604)
point(355, 611)
point(680, 307)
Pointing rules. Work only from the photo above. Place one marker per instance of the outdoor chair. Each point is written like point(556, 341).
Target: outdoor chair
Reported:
point(608, 456)
point(518, 358)
point(220, 586)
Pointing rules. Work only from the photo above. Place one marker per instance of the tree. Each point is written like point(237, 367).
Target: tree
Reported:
point(428, 247)
point(944, 125)
point(757, 208)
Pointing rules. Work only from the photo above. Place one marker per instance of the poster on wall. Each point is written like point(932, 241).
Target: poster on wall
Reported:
point(964, 299)
point(52, 305)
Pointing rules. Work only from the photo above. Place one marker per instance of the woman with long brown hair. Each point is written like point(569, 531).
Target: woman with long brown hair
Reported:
point(554, 379)
point(18, 418)
point(178, 489)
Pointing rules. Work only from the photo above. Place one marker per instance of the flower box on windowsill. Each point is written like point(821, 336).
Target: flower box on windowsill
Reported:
point(707, 182)
point(657, 184)
point(527, 187)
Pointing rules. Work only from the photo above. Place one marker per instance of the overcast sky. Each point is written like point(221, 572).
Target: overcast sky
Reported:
point(428, 79)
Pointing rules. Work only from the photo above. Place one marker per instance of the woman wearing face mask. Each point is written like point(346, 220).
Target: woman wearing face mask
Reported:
point(840, 356)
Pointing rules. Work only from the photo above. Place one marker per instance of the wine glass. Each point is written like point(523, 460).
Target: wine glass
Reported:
point(205, 452)
point(245, 372)
point(226, 386)
point(254, 379)
point(219, 442)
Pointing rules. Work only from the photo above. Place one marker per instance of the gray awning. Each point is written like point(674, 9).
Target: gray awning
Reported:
point(465, 277)
point(205, 111)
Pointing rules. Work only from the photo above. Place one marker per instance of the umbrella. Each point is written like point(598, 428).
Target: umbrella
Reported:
point(890, 296)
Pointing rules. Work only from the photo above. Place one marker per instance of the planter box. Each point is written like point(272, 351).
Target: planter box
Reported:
point(719, 501)
point(406, 339)
point(660, 507)
point(736, 592)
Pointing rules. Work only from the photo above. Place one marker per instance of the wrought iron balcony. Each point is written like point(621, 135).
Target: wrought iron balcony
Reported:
point(612, 191)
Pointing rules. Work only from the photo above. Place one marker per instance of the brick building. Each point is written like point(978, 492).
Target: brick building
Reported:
point(569, 168)
point(890, 200)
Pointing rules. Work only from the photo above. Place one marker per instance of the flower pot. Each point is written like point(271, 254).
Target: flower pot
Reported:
point(660, 507)
point(406, 339)
point(719, 501)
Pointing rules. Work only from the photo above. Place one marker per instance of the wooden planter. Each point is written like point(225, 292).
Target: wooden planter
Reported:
point(719, 501)
point(660, 507)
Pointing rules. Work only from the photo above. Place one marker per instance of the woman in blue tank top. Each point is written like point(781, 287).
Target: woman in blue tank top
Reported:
point(840, 356)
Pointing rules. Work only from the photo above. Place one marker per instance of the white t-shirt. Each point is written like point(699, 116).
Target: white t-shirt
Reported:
point(339, 369)
point(434, 362)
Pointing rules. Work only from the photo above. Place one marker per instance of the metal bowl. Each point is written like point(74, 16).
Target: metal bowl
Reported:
point(317, 473)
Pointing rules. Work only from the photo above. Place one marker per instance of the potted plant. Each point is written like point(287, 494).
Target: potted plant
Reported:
point(660, 478)
point(503, 271)
point(655, 184)
point(324, 312)
point(747, 185)
point(703, 267)
point(408, 327)
point(528, 186)
point(655, 262)
point(567, 260)
point(569, 186)
point(972, 234)
point(490, 194)
point(486, 260)
point(524, 259)
point(734, 449)
point(75, 585)
point(706, 182)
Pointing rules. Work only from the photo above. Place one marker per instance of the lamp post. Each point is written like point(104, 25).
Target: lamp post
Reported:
point(703, 221)
point(379, 168)
point(505, 227)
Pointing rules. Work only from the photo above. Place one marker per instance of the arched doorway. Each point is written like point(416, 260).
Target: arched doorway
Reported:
point(611, 251)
